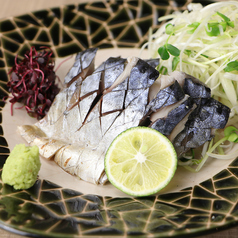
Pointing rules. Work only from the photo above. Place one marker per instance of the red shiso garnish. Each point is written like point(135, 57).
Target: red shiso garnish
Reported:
point(33, 82)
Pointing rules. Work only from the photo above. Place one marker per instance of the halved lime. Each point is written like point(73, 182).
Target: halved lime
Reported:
point(140, 161)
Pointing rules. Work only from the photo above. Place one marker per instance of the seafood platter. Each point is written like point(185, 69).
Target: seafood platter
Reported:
point(151, 65)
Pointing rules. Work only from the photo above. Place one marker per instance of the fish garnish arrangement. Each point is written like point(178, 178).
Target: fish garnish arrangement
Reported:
point(96, 105)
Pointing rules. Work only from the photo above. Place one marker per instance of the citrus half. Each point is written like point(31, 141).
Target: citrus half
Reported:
point(140, 161)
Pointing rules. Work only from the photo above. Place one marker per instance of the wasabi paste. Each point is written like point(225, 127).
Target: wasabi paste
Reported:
point(21, 167)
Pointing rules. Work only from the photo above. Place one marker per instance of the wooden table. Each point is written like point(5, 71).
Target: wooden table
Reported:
point(18, 7)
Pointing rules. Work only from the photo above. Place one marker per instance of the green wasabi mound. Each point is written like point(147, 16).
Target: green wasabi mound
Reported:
point(21, 167)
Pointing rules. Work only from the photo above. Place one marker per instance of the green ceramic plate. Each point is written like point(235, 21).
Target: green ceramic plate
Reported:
point(58, 207)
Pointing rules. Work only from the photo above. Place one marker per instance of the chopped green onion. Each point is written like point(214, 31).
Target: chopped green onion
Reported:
point(225, 18)
point(213, 29)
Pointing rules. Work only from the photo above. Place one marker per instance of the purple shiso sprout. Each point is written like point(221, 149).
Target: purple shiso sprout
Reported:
point(33, 82)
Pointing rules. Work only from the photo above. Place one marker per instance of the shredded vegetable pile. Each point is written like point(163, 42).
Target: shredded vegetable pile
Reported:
point(203, 42)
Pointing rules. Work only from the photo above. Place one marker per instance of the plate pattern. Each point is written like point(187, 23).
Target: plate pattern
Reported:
point(49, 210)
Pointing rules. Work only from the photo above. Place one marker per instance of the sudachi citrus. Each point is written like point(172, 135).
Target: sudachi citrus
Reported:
point(140, 161)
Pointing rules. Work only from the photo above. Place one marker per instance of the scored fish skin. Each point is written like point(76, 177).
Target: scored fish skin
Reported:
point(165, 97)
point(68, 97)
point(111, 69)
point(133, 98)
point(166, 124)
point(83, 66)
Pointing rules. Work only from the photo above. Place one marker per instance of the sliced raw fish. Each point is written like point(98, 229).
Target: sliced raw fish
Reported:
point(95, 105)
point(205, 113)
point(181, 125)
point(209, 115)
point(166, 96)
point(166, 124)
point(190, 138)
point(195, 89)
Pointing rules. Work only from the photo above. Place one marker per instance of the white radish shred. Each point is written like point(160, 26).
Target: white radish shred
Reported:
point(209, 54)
point(208, 58)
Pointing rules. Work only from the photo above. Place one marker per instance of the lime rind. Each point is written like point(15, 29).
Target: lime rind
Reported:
point(127, 144)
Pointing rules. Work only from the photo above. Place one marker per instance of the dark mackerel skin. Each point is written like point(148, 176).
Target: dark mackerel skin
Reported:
point(165, 97)
point(209, 114)
point(195, 89)
point(191, 137)
point(153, 62)
point(167, 124)
point(142, 76)
point(110, 70)
point(83, 66)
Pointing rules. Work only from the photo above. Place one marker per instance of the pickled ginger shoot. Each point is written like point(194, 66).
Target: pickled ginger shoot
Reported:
point(21, 167)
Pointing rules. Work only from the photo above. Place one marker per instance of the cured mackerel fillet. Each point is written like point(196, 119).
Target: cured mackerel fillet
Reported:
point(185, 112)
point(96, 105)
point(90, 111)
